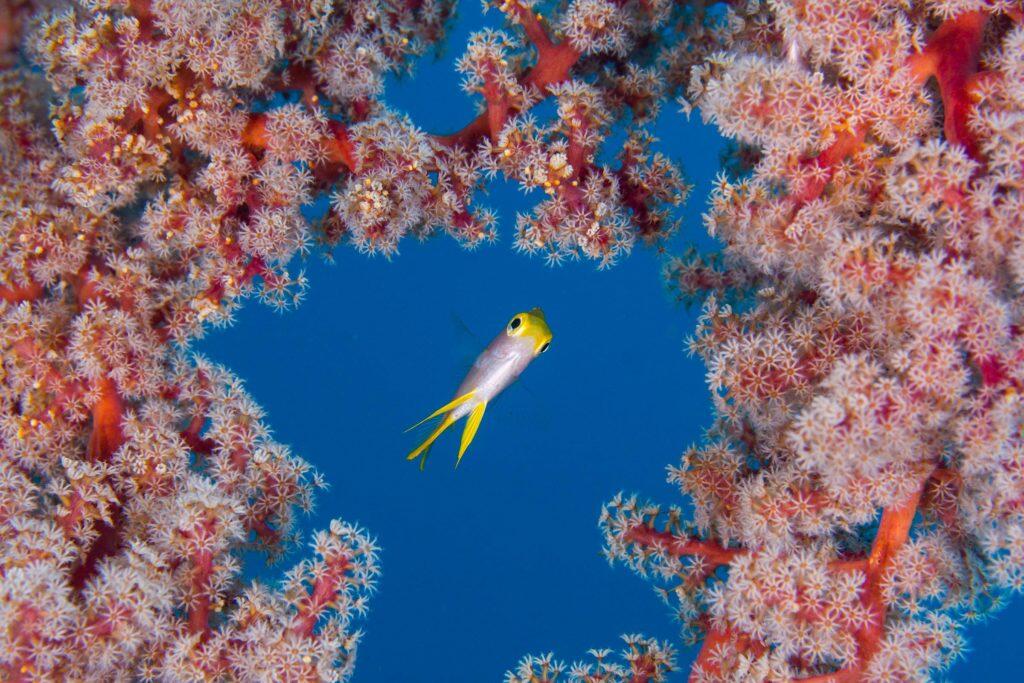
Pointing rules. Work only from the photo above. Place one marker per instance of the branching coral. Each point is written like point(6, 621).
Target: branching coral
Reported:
point(165, 184)
point(642, 660)
point(858, 493)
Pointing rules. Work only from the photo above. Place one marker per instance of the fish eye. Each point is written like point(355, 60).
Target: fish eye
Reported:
point(544, 347)
point(516, 322)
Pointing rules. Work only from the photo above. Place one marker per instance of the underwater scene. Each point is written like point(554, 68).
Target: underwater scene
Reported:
point(594, 341)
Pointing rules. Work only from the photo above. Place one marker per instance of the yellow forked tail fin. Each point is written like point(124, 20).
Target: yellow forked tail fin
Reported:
point(424, 447)
point(455, 402)
point(472, 424)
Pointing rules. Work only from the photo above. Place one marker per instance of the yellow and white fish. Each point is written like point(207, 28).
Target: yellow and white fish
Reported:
point(525, 337)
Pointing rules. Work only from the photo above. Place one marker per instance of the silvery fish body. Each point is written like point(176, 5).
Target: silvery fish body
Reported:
point(525, 337)
point(494, 370)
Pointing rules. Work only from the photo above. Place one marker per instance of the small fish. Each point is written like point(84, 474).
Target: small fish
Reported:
point(525, 337)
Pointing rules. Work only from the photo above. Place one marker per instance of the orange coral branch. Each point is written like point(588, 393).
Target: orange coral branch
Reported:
point(893, 531)
point(338, 144)
point(107, 414)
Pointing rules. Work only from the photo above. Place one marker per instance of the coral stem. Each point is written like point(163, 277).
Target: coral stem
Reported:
point(951, 56)
point(107, 414)
point(680, 546)
point(18, 293)
point(554, 60)
point(323, 593)
point(893, 532)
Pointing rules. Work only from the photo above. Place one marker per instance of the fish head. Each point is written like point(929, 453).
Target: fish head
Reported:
point(531, 326)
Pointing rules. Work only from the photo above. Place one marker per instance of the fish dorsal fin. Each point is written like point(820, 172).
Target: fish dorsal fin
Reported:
point(468, 345)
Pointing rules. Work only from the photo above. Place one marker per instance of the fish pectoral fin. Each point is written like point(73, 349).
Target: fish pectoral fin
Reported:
point(425, 446)
point(454, 403)
point(472, 424)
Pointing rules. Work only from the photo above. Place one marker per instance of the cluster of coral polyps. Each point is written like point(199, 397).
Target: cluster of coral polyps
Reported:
point(155, 159)
point(860, 491)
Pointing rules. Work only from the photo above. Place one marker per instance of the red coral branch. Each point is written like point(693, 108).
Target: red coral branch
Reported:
point(681, 547)
point(893, 531)
point(108, 543)
point(18, 293)
point(201, 573)
point(951, 57)
point(107, 415)
point(324, 592)
point(554, 61)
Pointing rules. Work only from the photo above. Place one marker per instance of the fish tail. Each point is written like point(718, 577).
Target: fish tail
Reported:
point(425, 446)
point(472, 424)
point(454, 403)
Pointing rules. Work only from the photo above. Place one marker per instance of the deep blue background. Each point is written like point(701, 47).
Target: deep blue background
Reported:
point(501, 558)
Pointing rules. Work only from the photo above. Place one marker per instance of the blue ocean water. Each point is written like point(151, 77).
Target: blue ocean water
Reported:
point(502, 557)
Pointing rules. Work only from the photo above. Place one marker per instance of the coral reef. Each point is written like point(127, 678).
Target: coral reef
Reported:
point(858, 494)
point(163, 185)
